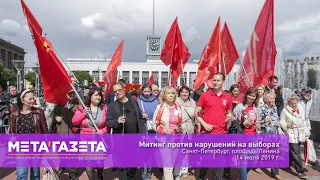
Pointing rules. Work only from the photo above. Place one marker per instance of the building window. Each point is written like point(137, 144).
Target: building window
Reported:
point(20, 57)
point(15, 56)
point(156, 77)
point(183, 79)
point(9, 60)
point(135, 77)
point(145, 77)
point(95, 75)
point(126, 76)
point(164, 79)
point(192, 77)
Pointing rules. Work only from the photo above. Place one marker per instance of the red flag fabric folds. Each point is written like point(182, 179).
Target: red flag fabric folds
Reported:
point(151, 79)
point(175, 52)
point(210, 58)
point(55, 80)
point(229, 51)
point(259, 59)
point(110, 77)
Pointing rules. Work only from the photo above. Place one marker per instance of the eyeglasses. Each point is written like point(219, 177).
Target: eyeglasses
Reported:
point(118, 90)
point(308, 92)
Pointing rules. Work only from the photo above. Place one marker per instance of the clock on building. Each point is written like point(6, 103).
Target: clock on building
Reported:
point(154, 44)
point(153, 47)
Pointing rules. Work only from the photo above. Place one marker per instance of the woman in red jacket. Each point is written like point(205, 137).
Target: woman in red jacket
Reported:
point(96, 108)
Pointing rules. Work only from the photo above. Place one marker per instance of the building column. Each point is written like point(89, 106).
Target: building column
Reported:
point(130, 77)
point(140, 77)
point(159, 80)
point(188, 81)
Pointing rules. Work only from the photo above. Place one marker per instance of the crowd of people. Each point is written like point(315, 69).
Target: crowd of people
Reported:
point(261, 110)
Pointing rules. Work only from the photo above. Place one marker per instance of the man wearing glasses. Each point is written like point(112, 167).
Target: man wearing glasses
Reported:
point(306, 103)
point(125, 117)
point(111, 96)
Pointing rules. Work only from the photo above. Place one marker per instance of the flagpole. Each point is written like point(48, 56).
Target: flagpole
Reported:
point(244, 70)
point(225, 71)
point(183, 82)
point(169, 77)
point(61, 59)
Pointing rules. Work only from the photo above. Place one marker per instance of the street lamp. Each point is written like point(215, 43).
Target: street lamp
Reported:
point(36, 70)
point(19, 65)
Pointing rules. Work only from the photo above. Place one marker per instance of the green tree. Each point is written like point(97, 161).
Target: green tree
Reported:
point(6, 75)
point(312, 79)
point(31, 77)
point(83, 75)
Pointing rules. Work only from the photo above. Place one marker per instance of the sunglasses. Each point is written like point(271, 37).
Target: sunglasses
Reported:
point(308, 92)
point(118, 90)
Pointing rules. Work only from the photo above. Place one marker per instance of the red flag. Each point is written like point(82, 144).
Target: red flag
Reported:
point(259, 59)
point(55, 80)
point(132, 87)
point(210, 58)
point(110, 77)
point(151, 79)
point(174, 51)
point(229, 51)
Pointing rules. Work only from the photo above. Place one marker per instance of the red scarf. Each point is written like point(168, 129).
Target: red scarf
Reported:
point(159, 124)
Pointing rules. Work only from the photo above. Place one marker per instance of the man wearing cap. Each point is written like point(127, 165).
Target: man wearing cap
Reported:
point(62, 124)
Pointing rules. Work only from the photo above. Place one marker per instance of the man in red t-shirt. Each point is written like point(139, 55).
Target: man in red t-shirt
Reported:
point(216, 106)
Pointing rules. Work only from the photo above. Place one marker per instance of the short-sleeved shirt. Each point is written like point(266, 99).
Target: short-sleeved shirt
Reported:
point(214, 109)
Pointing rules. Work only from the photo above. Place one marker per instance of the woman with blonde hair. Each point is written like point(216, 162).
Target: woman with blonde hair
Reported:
point(167, 119)
point(292, 123)
point(261, 91)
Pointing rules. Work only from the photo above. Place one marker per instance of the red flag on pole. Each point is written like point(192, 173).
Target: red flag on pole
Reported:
point(259, 59)
point(229, 51)
point(55, 80)
point(151, 79)
point(210, 58)
point(174, 51)
point(110, 77)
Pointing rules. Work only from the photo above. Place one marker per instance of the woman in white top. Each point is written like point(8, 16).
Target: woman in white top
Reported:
point(188, 124)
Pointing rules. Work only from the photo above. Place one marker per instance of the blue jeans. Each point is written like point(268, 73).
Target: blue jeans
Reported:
point(22, 173)
point(274, 171)
point(146, 173)
point(244, 173)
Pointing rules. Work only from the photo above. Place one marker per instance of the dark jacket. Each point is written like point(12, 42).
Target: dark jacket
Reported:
point(38, 118)
point(65, 126)
point(114, 113)
point(109, 98)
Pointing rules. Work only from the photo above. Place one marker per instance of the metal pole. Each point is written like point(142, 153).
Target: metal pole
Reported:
point(245, 71)
point(18, 72)
point(225, 71)
point(153, 18)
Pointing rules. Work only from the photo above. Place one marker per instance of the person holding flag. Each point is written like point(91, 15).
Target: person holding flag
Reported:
point(217, 113)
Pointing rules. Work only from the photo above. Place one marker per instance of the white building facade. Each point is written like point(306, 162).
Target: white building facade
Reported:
point(139, 72)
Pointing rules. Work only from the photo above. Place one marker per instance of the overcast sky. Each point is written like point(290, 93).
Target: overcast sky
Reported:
point(89, 29)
